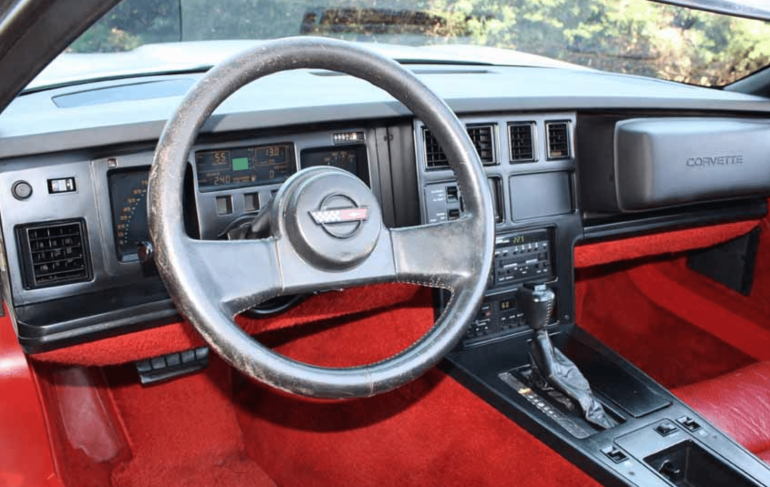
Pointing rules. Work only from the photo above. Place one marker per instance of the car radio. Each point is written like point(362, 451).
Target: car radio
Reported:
point(521, 257)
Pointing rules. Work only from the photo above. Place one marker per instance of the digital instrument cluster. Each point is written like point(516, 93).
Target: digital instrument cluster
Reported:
point(246, 166)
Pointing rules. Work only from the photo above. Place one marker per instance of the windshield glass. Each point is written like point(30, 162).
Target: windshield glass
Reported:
point(624, 36)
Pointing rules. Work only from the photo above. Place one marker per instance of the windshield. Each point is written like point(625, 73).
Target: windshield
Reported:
point(624, 36)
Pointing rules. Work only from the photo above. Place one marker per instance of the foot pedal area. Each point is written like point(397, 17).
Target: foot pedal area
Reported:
point(172, 365)
point(731, 263)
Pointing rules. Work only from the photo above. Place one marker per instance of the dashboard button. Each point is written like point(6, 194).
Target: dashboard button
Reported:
point(21, 190)
point(224, 205)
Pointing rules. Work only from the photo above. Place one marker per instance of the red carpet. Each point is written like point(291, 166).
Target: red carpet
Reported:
point(432, 432)
point(203, 430)
point(670, 349)
point(184, 433)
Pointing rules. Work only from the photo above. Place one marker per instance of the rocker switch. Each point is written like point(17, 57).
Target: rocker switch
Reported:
point(615, 454)
point(665, 428)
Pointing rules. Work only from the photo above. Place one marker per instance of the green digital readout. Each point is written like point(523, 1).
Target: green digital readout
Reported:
point(240, 163)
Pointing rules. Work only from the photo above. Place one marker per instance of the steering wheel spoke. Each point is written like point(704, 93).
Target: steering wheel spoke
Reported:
point(436, 255)
point(238, 274)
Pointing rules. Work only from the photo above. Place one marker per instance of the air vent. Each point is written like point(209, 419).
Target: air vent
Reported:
point(434, 154)
point(481, 136)
point(483, 141)
point(558, 140)
point(54, 253)
point(522, 142)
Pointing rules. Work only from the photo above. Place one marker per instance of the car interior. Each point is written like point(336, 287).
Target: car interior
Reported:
point(315, 264)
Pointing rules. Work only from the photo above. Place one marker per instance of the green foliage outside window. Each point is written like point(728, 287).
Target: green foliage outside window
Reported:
point(626, 36)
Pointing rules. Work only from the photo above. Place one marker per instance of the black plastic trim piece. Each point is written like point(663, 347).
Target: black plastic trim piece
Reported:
point(55, 324)
point(709, 214)
point(172, 365)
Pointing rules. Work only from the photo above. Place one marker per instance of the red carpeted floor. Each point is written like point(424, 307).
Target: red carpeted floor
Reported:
point(670, 349)
point(218, 428)
point(432, 432)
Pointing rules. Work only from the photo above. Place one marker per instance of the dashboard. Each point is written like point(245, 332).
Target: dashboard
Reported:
point(74, 197)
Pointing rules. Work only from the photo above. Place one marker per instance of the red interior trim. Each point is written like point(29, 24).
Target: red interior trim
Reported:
point(25, 450)
point(659, 243)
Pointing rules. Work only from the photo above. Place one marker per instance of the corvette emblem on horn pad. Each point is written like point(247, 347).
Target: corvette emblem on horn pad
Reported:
point(340, 216)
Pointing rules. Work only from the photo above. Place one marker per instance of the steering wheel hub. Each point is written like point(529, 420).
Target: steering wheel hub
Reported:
point(332, 217)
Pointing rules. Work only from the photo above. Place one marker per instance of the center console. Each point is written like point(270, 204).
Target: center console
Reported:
point(657, 441)
point(649, 438)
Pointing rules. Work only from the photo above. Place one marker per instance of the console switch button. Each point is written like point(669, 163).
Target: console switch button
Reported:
point(665, 428)
point(615, 454)
point(689, 423)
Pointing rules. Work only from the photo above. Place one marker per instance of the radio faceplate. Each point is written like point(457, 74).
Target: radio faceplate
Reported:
point(522, 257)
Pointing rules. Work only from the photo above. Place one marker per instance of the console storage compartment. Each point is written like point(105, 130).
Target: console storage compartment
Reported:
point(687, 464)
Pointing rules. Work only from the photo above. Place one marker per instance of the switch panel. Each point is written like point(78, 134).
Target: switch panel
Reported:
point(442, 202)
point(498, 316)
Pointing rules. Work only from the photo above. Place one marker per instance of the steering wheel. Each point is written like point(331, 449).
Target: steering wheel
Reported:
point(327, 230)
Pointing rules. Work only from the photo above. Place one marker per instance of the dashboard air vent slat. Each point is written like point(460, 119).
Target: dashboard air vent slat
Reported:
point(483, 141)
point(481, 136)
point(54, 253)
point(434, 154)
point(522, 142)
point(558, 140)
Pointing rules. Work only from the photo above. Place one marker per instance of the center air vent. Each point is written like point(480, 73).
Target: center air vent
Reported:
point(558, 140)
point(481, 136)
point(54, 253)
point(522, 142)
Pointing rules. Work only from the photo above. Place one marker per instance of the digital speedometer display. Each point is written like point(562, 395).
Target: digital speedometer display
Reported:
point(245, 166)
point(128, 198)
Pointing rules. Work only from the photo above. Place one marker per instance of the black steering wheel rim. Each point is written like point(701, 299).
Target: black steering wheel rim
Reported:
point(209, 303)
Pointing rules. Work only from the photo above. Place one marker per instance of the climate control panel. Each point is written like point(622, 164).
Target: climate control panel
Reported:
point(497, 316)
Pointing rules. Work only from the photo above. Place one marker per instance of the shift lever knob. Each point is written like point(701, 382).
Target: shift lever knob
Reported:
point(536, 303)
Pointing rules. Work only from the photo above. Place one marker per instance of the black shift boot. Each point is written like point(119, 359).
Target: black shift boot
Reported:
point(550, 367)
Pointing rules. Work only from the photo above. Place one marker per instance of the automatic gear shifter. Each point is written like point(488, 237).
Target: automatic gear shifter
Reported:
point(550, 367)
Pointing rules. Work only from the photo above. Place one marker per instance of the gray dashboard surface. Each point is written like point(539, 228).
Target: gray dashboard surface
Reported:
point(33, 123)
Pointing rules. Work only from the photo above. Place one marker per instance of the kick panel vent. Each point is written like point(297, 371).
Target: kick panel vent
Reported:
point(522, 142)
point(54, 253)
point(483, 140)
point(558, 140)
